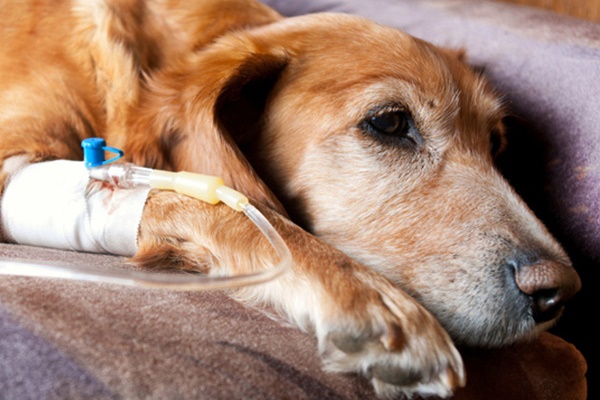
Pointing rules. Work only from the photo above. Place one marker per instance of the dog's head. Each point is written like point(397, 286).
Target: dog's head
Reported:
point(383, 146)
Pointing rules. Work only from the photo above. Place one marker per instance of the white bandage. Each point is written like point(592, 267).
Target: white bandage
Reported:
point(55, 204)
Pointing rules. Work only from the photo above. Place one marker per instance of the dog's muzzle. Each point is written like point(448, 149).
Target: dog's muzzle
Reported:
point(548, 284)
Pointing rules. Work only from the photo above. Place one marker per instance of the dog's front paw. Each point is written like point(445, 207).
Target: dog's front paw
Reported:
point(394, 342)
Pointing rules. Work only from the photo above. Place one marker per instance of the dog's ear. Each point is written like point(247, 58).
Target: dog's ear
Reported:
point(208, 105)
point(240, 106)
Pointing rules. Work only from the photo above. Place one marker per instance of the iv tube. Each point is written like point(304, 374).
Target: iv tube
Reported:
point(159, 280)
point(206, 188)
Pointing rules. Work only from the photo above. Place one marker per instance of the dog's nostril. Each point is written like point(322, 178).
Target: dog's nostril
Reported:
point(546, 305)
point(549, 285)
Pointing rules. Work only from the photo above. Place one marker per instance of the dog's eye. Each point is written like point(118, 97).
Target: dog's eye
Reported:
point(390, 123)
point(394, 127)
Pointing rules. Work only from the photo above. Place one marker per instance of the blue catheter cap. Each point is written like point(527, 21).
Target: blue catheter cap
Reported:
point(93, 152)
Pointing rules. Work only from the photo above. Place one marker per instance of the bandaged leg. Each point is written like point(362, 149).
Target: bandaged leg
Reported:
point(55, 204)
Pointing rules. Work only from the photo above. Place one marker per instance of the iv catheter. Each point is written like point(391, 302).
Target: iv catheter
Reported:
point(206, 188)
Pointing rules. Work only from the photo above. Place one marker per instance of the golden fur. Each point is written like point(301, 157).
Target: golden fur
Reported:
point(391, 233)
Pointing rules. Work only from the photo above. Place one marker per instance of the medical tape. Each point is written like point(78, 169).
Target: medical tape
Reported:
point(56, 204)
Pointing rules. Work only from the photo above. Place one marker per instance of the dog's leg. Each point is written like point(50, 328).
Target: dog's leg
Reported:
point(363, 323)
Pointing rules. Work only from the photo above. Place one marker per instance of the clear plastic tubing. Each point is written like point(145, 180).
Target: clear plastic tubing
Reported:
point(207, 188)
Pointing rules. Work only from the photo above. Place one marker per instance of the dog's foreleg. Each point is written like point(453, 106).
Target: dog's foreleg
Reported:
point(363, 323)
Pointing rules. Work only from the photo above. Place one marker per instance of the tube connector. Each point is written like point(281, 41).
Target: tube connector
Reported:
point(210, 189)
point(232, 198)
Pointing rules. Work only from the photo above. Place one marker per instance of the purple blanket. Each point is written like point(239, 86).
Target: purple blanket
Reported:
point(64, 340)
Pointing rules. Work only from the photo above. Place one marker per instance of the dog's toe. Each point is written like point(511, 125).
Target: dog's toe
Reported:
point(396, 376)
point(391, 380)
point(399, 346)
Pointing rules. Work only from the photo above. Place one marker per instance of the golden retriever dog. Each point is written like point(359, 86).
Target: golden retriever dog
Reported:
point(370, 151)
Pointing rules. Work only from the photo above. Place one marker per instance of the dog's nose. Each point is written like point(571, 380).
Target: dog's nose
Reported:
point(549, 285)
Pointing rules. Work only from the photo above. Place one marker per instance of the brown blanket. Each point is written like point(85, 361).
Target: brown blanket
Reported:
point(71, 340)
